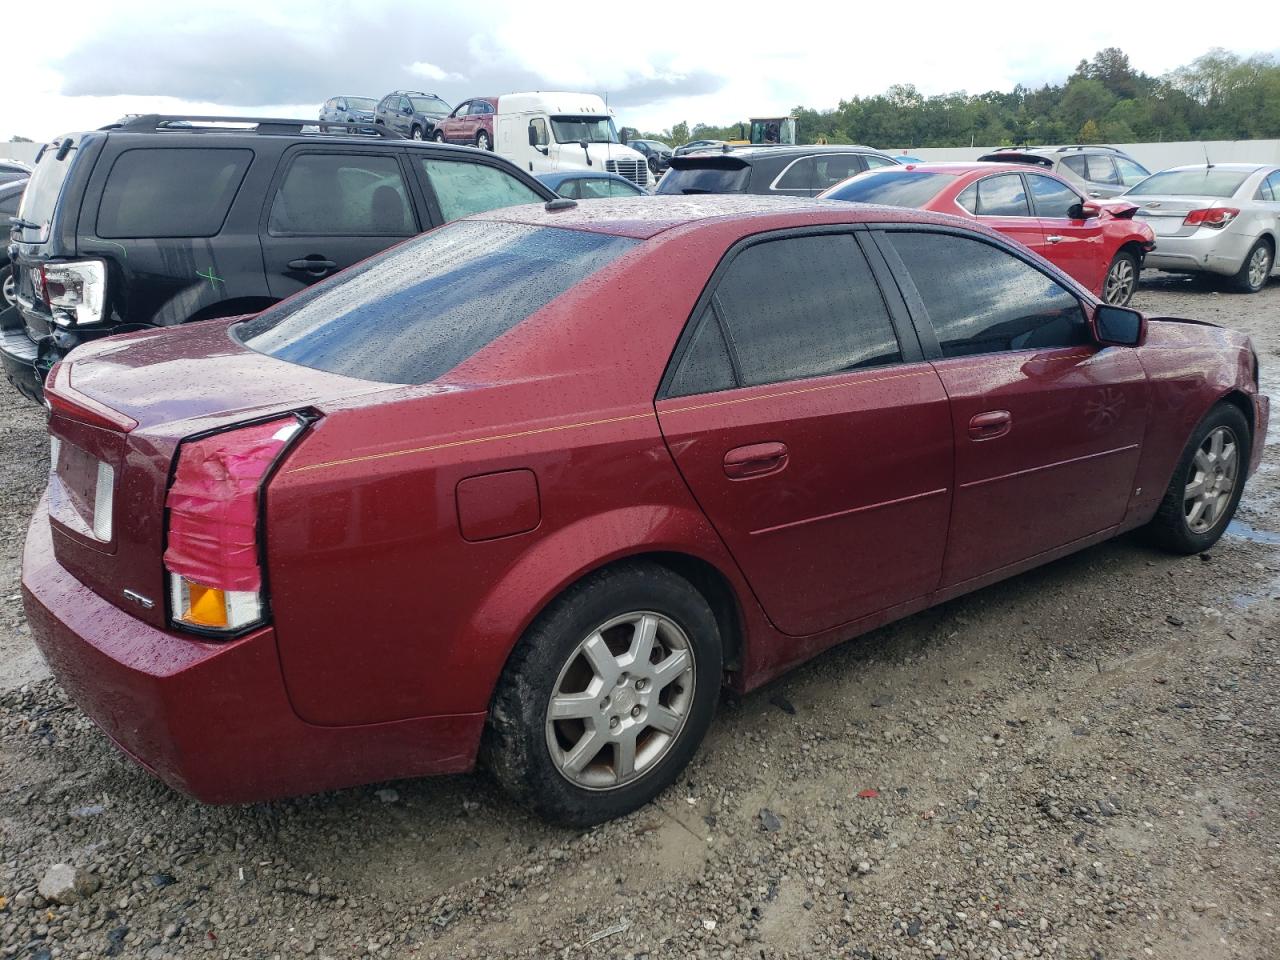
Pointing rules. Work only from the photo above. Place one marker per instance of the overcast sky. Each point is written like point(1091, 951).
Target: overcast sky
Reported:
point(74, 64)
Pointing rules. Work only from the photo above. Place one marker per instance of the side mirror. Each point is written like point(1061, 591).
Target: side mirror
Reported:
point(1083, 211)
point(1118, 326)
point(533, 136)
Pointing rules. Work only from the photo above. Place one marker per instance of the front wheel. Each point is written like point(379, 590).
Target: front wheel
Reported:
point(416, 134)
point(439, 137)
point(1207, 483)
point(1122, 280)
point(1256, 269)
point(607, 696)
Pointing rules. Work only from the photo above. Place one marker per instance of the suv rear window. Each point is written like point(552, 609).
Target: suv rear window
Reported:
point(170, 192)
point(711, 175)
point(413, 313)
point(45, 186)
point(893, 188)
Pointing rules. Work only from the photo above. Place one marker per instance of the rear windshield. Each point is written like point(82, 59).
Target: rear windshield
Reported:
point(705, 179)
point(893, 188)
point(415, 312)
point(1198, 182)
point(44, 188)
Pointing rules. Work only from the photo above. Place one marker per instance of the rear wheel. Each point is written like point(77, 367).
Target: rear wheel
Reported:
point(607, 696)
point(1122, 279)
point(1202, 497)
point(482, 141)
point(1256, 269)
point(8, 287)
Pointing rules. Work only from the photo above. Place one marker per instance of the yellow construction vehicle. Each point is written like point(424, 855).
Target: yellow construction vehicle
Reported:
point(767, 131)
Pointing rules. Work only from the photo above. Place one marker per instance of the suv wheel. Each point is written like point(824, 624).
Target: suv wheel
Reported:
point(1122, 280)
point(417, 133)
point(439, 137)
point(607, 696)
point(1256, 269)
point(8, 287)
point(482, 141)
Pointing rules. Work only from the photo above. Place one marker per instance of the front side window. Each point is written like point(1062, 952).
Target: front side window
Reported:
point(590, 128)
point(412, 313)
point(804, 307)
point(1102, 170)
point(336, 194)
point(1130, 172)
point(463, 188)
point(170, 192)
point(1002, 196)
point(538, 127)
point(981, 299)
point(461, 110)
point(1052, 198)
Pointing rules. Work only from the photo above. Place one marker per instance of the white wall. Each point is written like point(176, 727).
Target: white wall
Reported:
point(1153, 156)
point(26, 152)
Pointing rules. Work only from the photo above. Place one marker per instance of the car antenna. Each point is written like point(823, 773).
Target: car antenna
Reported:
point(1207, 164)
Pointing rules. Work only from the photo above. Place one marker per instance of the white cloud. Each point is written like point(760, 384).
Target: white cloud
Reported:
point(429, 70)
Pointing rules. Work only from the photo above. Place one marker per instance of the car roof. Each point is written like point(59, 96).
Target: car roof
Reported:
point(644, 217)
point(960, 167)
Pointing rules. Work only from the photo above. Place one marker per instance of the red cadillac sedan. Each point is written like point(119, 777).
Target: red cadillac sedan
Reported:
point(532, 486)
point(1096, 242)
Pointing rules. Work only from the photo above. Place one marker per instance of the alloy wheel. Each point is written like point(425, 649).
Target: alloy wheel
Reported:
point(482, 141)
point(9, 293)
point(1259, 266)
point(1211, 480)
point(620, 701)
point(1120, 282)
point(417, 134)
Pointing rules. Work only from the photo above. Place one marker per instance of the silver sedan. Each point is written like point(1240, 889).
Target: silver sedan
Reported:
point(1222, 218)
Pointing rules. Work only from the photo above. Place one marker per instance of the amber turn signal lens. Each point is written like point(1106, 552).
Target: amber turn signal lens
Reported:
point(208, 606)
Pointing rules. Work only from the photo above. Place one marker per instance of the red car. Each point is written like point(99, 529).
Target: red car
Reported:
point(540, 481)
point(1096, 242)
point(470, 124)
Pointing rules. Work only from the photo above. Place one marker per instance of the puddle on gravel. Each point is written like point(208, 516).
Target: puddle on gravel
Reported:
point(1238, 528)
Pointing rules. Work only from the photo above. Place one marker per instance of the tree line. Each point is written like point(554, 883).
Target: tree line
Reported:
point(1218, 96)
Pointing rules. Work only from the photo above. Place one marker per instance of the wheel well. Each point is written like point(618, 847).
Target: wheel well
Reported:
point(1133, 247)
point(713, 586)
point(232, 308)
point(1242, 402)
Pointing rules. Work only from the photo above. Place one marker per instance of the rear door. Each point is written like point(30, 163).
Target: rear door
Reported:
point(1048, 425)
point(803, 418)
point(1001, 203)
point(1077, 247)
point(328, 209)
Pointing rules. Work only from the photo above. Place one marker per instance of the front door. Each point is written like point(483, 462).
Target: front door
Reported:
point(1048, 425)
point(812, 434)
point(328, 210)
point(1076, 247)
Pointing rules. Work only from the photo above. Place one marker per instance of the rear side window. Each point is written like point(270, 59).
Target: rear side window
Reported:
point(1052, 198)
point(1102, 170)
point(1076, 165)
point(412, 313)
point(981, 299)
point(820, 172)
point(464, 188)
point(710, 178)
point(804, 307)
point(171, 192)
point(337, 194)
point(705, 366)
point(1002, 196)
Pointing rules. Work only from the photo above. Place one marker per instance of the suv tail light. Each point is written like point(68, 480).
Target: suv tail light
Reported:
point(74, 290)
point(1211, 217)
point(212, 558)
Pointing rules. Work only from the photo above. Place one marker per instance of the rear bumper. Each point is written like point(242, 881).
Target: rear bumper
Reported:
point(18, 356)
point(213, 719)
point(1205, 251)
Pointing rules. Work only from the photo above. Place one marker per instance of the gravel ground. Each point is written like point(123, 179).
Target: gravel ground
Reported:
point(1077, 763)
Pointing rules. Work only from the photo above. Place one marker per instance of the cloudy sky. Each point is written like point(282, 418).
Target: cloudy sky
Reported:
point(76, 64)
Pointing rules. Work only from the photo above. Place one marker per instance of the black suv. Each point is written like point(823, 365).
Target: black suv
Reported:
point(773, 171)
point(148, 224)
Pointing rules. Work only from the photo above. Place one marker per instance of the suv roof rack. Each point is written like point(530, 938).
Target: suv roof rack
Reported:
point(158, 122)
point(415, 93)
point(1089, 146)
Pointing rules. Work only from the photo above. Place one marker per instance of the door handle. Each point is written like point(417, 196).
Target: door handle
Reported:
point(989, 425)
point(314, 264)
point(1054, 238)
point(755, 460)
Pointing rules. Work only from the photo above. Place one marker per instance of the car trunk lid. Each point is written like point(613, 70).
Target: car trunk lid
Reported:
point(1165, 215)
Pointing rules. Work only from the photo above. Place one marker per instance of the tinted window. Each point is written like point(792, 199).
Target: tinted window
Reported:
point(895, 188)
point(712, 178)
point(170, 193)
point(410, 314)
point(1076, 164)
point(1102, 170)
point(818, 173)
point(984, 300)
point(1273, 182)
point(968, 198)
point(1002, 196)
point(804, 307)
point(705, 366)
point(1130, 172)
point(465, 188)
point(1195, 182)
point(337, 194)
point(1052, 198)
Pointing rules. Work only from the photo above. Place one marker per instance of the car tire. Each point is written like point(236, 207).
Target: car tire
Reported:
point(1174, 527)
point(1121, 281)
point(8, 287)
point(439, 137)
point(482, 141)
point(1256, 269)
point(573, 769)
point(416, 133)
